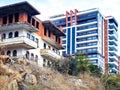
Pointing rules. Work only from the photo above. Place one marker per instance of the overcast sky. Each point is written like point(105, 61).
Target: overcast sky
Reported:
point(53, 7)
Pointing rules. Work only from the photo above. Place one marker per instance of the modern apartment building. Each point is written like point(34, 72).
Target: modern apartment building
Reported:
point(23, 35)
point(87, 32)
point(110, 45)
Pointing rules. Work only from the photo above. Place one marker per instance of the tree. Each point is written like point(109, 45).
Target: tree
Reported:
point(78, 64)
point(95, 70)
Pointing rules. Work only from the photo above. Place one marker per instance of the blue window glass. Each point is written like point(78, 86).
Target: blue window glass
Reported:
point(64, 42)
point(28, 35)
point(68, 40)
point(64, 53)
point(73, 40)
point(32, 38)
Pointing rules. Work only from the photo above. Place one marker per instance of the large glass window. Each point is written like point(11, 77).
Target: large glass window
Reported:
point(86, 27)
point(73, 40)
point(68, 40)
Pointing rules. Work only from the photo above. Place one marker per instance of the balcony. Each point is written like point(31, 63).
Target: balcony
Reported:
point(18, 42)
point(113, 57)
point(113, 42)
point(86, 41)
point(113, 62)
point(52, 43)
point(113, 36)
point(50, 55)
point(87, 35)
point(18, 25)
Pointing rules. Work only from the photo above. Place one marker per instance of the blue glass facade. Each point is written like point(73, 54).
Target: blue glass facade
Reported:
point(112, 51)
point(68, 40)
point(73, 40)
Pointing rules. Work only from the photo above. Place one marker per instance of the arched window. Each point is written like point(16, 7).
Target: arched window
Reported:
point(9, 53)
point(36, 58)
point(3, 36)
point(27, 54)
point(14, 53)
point(16, 34)
point(48, 63)
point(10, 35)
point(32, 56)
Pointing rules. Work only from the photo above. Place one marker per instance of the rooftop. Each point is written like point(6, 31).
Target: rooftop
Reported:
point(18, 7)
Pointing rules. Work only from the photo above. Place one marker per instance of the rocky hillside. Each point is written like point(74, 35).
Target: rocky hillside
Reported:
point(24, 75)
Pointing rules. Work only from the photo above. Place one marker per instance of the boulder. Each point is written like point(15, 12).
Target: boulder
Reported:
point(5, 59)
point(13, 85)
point(31, 79)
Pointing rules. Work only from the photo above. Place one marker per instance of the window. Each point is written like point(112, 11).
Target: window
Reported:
point(16, 17)
point(28, 35)
point(49, 33)
point(59, 40)
point(49, 47)
point(32, 56)
point(36, 58)
point(10, 18)
point(64, 53)
point(45, 31)
point(64, 42)
point(3, 36)
point(33, 22)
point(10, 35)
point(44, 62)
point(32, 38)
point(48, 63)
point(44, 46)
point(5, 20)
point(16, 34)
point(37, 42)
point(29, 19)
point(27, 54)
point(56, 39)
point(14, 53)
point(64, 30)
point(37, 24)
point(9, 53)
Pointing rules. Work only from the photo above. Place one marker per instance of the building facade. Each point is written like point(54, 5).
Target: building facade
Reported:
point(111, 47)
point(23, 35)
point(85, 33)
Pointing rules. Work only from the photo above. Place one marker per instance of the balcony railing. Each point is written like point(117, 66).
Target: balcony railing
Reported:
point(18, 42)
point(18, 25)
point(113, 62)
point(50, 55)
point(52, 42)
